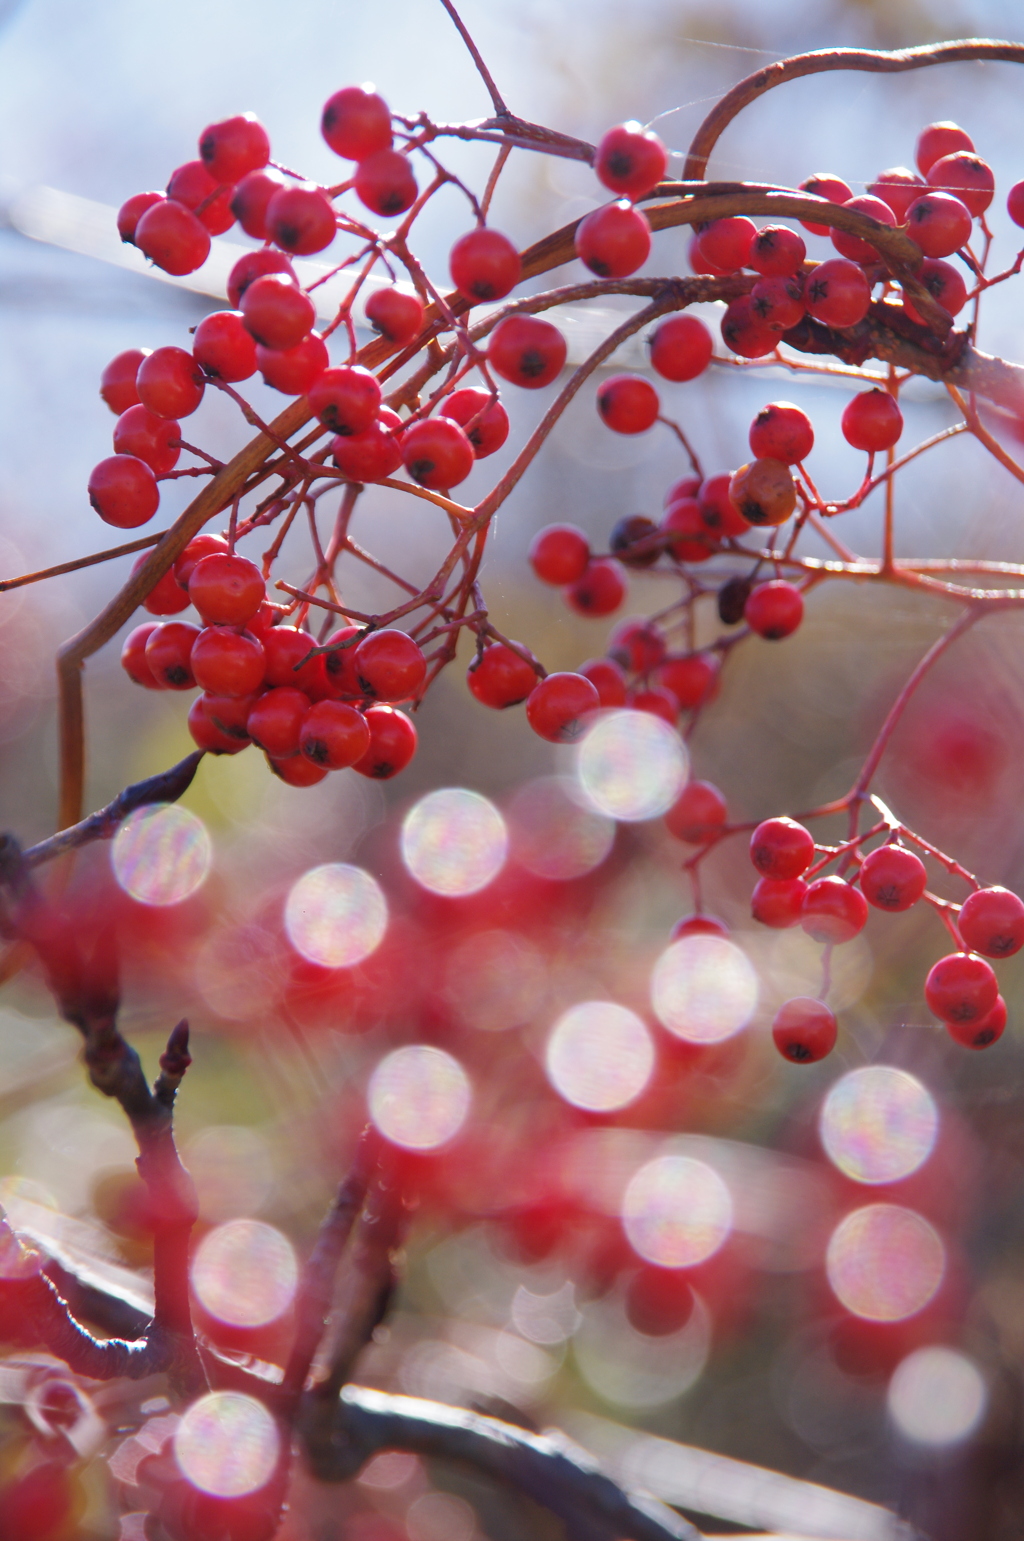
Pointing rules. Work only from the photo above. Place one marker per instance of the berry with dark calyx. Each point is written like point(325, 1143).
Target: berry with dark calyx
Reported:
point(779, 302)
point(301, 220)
point(777, 251)
point(804, 1030)
point(166, 597)
point(226, 589)
point(637, 645)
point(198, 547)
point(170, 383)
point(764, 491)
point(392, 743)
point(274, 721)
point(293, 371)
point(832, 911)
point(689, 539)
point(943, 283)
point(939, 223)
point(600, 590)
point(346, 400)
point(251, 199)
point(390, 665)
point(385, 183)
point(732, 600)
point(559, 707)
point(396, 314)
point(897, 187)
point(967, 177)
point(254, 265)
point(276, 311)
point(193, 186)
point(628, 403)
point(630, 160)
point(372, 455)
point(631, 531)
point(837, 294)
point(893, 878)
point(297, 771)
point(223, 347)
point(287, 662)
point(872, 421)
point(780, 431)
point(961, 988)
point(778, 902)
point(854, 246)
point(500, 677)
point(726, 243)
point(333, 735)
point(484, 265)
point(206, 734)
point(133, 657)
point(744, 332)
point(527, 351)
point(979, 1034)
point(824, 185)
point(607, 679)
point(774, 609)
point(123, 491)
point(117, 382)
point(937, 140)
point(171, 236)
point(681, 348)
point(230, 714)
point(698, 814)
point(169, 654)
point(559, 554)
point(614, 241)
point(130, 212)
point(339, 663)
point(1015, 203)
point(436, 453)
point(699, 925)
point(991, 922)
point(156, 440)
point(781, 848)
point(660, 703)
point(227, 662)
point(718, 511)
point(481, 415)
point(235, 146)
point(356, 122)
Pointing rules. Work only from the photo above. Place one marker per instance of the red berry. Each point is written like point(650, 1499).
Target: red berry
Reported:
point(781, 848)
point(301, 220)
point(698, 814)
point(559, 554)
point(559, 706)
point(392, 743)
point(372, 455)
point(718, 511)
point(129, 214)
point(193, 186)
point(872, 421)
point(123, 491)
point(744, 332)
point(991, 922)
point(681, 348)
point(234, 147)
point(499, 677)
point(1015, 203)
point(527, 351)
point(288, 662)
point(334, 735)
point(297, 771)
point(342, 678)
point(979, 1034)
point(630, 160)
point(384, 182)
point(781, 431)
point(945, 285)
point(778, 303)
point(628, 403)
point(230, 715)
point(698, 262)
point(223, 347)
point(171, 236)
point(226, 662)
point(395, 314)
point(763, 491)
point(832, 911)
point(117, 382)
point(198, 547)
point(837, 293)
point(346, 400)
point(898, 188)
point(607, 679)
point(777, 252)
point(276, 311)
point(636, 645)
point(693, 680)
point(251, 198)
point(356, 122)
point(481, 415)
point(156, 440)
point(600, 591)
point(699, 925)
point(690, 539)
point(170, 383)
point(293, 371)
point(967, 177)
point(804, 1030)
point(939, 223)
point(961, 988)
point(660, 703)
point(726, 243)
point(437, 453)
point(632, 540)
point(274, 721)
point(252, 266)
point(824, 185)
point(614, 241)
point(133, 657)
point(206, 734)
point(484, 265)
point(389, 665)
point(169, 654)
point(166, 597)
point(854, 246)
point(226, 589)
point(893, 878)
point(777, 902)
point(937, 140)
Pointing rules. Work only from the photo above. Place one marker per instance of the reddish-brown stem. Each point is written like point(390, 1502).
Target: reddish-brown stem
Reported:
point(82, 561)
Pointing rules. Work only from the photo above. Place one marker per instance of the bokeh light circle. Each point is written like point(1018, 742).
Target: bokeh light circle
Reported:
point(936, 1396)
point(885, 1262)
point(599, 1056)
point(676, 1211)
point(161, 854)
point(704, 989)
point(878, 1124)
point(554, 835)
point(245, 1273)
point(335, 915)
point(631, 766)
point(418, 1097)
point(227, 1444)
point(454, 842)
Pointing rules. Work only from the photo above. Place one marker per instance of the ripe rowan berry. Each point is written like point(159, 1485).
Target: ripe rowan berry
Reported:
point(778, 303)
point(484, 265)
point(230, 714)
point(356, 122)
point(872, 421)
point(632, 541)
point(744, 332)
point(937, 140)
point(698, 814)
point(804, 1030)
point(832, 911)
point(699, 925)
point(133, 657)
point(170, 383)
point(718, 511)
point(777, 251)
point(630, 160)
point(436, 453)
point(939, 223)
point(600, 590)
point(274, 721)
point(559, 554)
point(892, 878)
point(395, 314)
point(293, 371)
point(991, 922)
point(339, 663)
point(777, 902)
point(628, 403)
point(117, 382)
point(206, 734)
point(131, 211)
point(372, 455)
point(559, 707)
point(945, 285)
point(781, 848)
point(694, 679)
point(764, 491)
point(781, 431)
point(690, 540)
point(837, 293)
point(288, 663)
point(171, 236)
point(527, 351)
point(234, 146)
point(726, 243)
point(226, 662)
point(774, 609)
point(681, 348)
point(251, 198)
point(223, 347)
point(226, 589)
point(613, 241)
point(660, 703)
point(979, 1034)
point(198, 547)
point(607, 679)
point(385, 183)
point(301, 219)
point(898, 187)
point(254, 265)
point(333, 735)
point(698, 262)
point(967, 177)
point(856, 247)
point(961, 988)
point(276, 311)
point(500, 677)
point(123, 491)
point(636, 644)
point(192, 185)
point(166, 597)
point(1015, 203)
point(389, 665)
point(481, 416)
point(824, 185)
point(169, 654)
point(732, 600)
point(297, 771)
point(392, 743)
point(156, 440)
point(346, 400)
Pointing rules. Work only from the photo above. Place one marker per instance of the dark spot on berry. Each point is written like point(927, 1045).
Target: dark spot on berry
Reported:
point(620, 163)
point(316, 750)
point(482, 290)
point(798, 1051)
point(177, 674)
point(418, 469)
point(984, 1037)
point(532, 363)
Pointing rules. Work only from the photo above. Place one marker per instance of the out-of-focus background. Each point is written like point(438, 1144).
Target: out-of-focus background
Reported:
point(522, 1290)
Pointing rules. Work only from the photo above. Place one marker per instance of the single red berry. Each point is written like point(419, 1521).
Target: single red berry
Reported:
point(945, 285)
point(698, 262)
point(206, 734)
point(763, 491)
point(226, 589)
point(346, 400)
point(718, 511)
point(372, 455)
point(967, 177)
point(169, 654)
point(390, 666)
point(133, 657)
point(263, 622)
point(897, 187)
point(777, 902)
point(600, 591)
point(832, 911)
point(334, 735)
point(198, 547)
point(694, 679)
point(223, 347)
point(293, 371)
point(193, 186)
point(633, 541)
point(527, 351)
point(392, 743)
point(690, 539)
point(117, 382)
point(274, 721)
point(276, 311)
point(252, 266)
point(628, 403)
point(781, 431)
point(234, 146)
point(991, 922)
point(893, 878)
point(156, 440)
point(226, 662)
point(630, 160)
point(385, 183)
point(614, 241)
point(251, 199)
point(484, 265)
point(937, 140)
point(837, 293)
point(781, 848)
point(776, 252)
point(559, 554)
point(301, 219)
point(872, 421)
point(396, 314)
point(636, 645)
point(123, 491)
point(855, 247)
point(356, 122)
point(166, 596)
point(726, 243)
point(1015, 203)
point(699, 925)
point(681, 348)
point(698, 814)
point(340, 663)
point(804, 1030)
point(130, 212)
point(559, 707)
point(979, 1034)
point(778, 303)
point(961, 988)
point(824, 185)
point(297, 771)
point(481, 415)
point(659, 702)
point(437, 453)
point(288, 663)
point(744, 332)
point(171, 236)
point(939, 223)
point(607, 679)
point(170, 383)
point(230, 715)
point(499, 677)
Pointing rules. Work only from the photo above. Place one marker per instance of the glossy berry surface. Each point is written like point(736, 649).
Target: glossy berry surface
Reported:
point(726, 243)
point(607, 679)
point(893, 878)
point(837, 293)
point(630, 160)
point(499, 677)
point(226, 589)
point(659, 702)
point(527, 351)
point(944, 283)
point(166, 597)
point(169, 654)
point(346, 400)
point(252, 266)
point(872, 421)
point(699, 925)
point(832, 911)
point(991, 922)
point(133, 657)
point(983, 1031)
point(356, 122)
point(293, 371)
point(193, 186)
point(275, 719)
point(198, 547)
point(234, 146)
point(939, 223)
point(628, 403)
point(937, 140)
point(481, 416)
point(824, 185)
point(117, 382)
point(600, 591)
point(745, 332)
point(333, 735)
point(614, 241)
point(389, 665)
point(856, 247)
point(781, 431)
point(385, 183)
point(778, 902)
point(276, 311)
point(681, 348)
point(436, 453)
point(392, 743)
point(227, 662)
point(170, 383)
point(395, 314)
point(776, 251)
point(781, 848)
point(251, 199)
point(961, 988)
point(559, 554)
point(223, 347)
point(123, 491)
point(898, 187)
point(804, 1030)
point(558, 708)
point(967, 177)
point(156, 440)
point(132, 210)
point(774, 609)
point(375, 453)
point(301, 220)
point(484, 265)
point(698, 813)
point(778, 303)
point(171, 236)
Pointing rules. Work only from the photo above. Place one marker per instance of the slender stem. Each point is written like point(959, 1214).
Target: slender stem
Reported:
point(497, 100)
point(79, 562)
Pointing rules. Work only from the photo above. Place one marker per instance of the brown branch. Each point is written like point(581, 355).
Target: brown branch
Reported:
point(80, 562)
point(497, 100)
point(166, 787)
